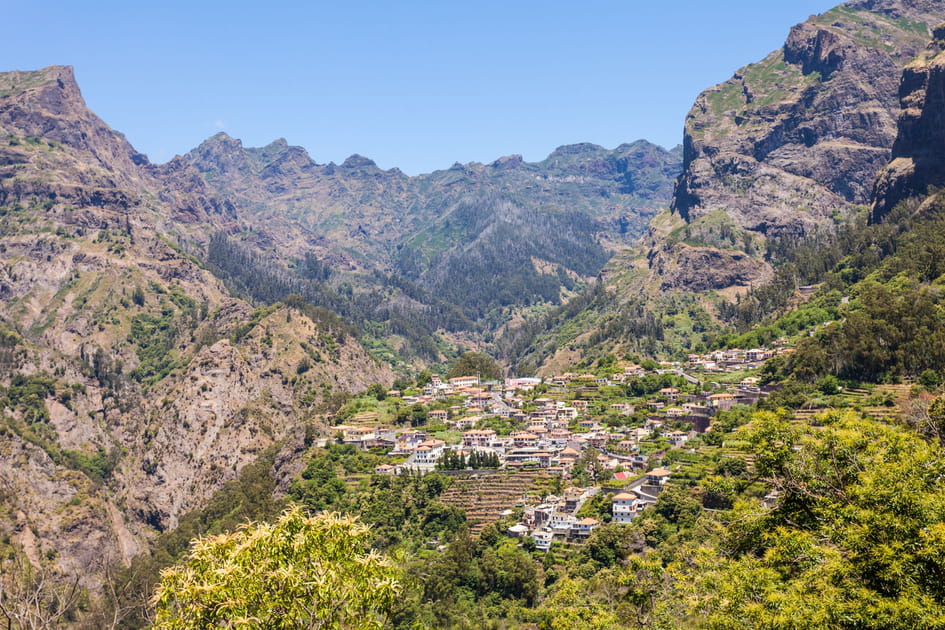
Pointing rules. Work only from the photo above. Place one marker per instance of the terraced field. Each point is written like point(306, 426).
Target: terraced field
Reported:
point(485, 497)
point(883, 402)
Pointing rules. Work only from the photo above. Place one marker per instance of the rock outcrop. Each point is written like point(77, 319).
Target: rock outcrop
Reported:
point(683, 267)
point(919, 151)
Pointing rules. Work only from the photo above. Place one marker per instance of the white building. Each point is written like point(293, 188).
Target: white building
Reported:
point(465, 381)
point(625, 506)
point(543, 538)
point(480, 438)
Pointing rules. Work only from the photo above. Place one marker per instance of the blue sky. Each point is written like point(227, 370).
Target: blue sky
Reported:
point(417, 85)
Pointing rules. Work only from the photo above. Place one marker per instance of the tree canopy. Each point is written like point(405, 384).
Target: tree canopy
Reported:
point(299, 572)
point(475, 363)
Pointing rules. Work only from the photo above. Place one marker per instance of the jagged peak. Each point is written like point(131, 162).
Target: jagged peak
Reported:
point(642, 142)
point(358, 161)
point(643, 145)
point(278, 143)
point(24, 79)
point(279, 150)
point(220, 141)
point(53, 88)
point(581, 148)
point(507, 161)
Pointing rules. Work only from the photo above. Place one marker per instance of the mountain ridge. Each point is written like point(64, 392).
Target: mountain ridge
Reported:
point(450, 233)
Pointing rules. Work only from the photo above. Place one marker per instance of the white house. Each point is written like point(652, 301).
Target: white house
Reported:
point(625, 506)
point(543, 538)
point(657, 477)
point(678, 438)
point(428, 452)
point(478, 438)
point(465, 381)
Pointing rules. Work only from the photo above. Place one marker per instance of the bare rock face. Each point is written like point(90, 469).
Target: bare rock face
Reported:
point(919, 151)
point(687, 268)
point(807, 129)
point(48, 104)
point(792, 142)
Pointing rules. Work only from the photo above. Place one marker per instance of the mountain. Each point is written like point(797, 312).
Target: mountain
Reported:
point(778, 163)
point(789, 145)
point(133, 384)
point(891, 323)
point(152, 347)
point(356, 204)
point(472, 243)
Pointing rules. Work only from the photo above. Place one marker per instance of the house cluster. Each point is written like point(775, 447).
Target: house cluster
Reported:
point(736, 358)
point(556, 518)
point(553, 431)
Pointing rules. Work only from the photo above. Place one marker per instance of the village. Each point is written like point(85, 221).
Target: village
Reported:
point(607, 432)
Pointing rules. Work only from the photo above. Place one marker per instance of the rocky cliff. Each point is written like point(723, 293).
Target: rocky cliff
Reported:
point(919, 151)
point(133, 384)
point(789, 144)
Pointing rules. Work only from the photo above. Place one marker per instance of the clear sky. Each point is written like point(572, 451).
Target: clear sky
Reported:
point(413, 84)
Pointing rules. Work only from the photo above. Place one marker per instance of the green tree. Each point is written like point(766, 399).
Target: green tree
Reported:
point(319, 488)
point(930, 379)
point(378, 391)
point(856, 538)
point(607, 545)
point(935, 425)
point(475, 363)
point(300, 572)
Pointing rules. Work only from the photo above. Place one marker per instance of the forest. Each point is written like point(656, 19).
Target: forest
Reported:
point(889, 323)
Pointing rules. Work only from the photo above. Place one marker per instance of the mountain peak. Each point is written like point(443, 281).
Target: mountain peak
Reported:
point(581, 148)
point(47, 103)
point(220, 152)
point(277, 144)
point(356, 161)
point(53, 89)
point(23, 79)
point(221, 141)
point(507, 162)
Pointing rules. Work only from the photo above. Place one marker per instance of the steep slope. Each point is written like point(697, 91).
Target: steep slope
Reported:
point(918, 157)
point(132, 385)
point(789, 144)
point(892, 323)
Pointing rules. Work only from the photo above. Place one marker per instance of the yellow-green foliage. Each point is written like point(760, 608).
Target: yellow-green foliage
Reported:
point(300, 572)
point(855, 539)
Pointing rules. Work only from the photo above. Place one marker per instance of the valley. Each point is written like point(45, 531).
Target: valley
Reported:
point(634, 387)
